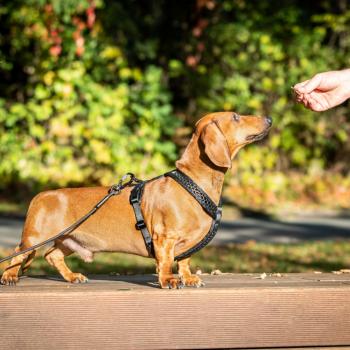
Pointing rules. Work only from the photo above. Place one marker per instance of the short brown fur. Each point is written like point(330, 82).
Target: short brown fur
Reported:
point(175, 220)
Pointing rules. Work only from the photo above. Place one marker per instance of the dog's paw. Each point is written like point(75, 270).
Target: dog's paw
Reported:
point(171, 283)
point(9, 279)
point(192, 281)
point(78, 278)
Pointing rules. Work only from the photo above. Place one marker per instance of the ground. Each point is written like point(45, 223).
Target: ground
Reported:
point(253, 243)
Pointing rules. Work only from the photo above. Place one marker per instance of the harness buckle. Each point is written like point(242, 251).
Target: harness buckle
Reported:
point(140, 224)
point(134, 199)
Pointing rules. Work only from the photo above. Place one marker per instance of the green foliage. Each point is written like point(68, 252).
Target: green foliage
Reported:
point(91, 89)
point(247, 59)
point(74, 128)
point(86, 116)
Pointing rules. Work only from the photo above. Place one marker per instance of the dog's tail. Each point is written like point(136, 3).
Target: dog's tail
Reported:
point(28, 261)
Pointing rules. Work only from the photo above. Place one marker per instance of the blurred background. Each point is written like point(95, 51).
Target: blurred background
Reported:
point(92, 89)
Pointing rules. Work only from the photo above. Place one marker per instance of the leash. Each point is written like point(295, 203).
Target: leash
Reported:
point(213, 210)
point(113, 190)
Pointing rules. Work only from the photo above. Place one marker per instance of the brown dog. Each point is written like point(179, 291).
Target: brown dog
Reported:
point(174, 218)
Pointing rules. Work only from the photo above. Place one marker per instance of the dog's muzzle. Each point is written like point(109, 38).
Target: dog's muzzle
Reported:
point(257, 137)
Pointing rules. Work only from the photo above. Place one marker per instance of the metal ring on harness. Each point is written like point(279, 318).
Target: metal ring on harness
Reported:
point(135, 200)
point(113, 190)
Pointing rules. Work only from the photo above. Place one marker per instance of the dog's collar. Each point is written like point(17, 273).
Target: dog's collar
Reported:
point(215, 211)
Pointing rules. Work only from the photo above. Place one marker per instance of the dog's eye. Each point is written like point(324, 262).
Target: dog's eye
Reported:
point(236, 117)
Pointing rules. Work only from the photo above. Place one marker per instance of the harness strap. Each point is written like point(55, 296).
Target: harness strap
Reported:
point(192, 188)
point(128, 179)
point(135, 201)
point(207, 239)
point(207, 204)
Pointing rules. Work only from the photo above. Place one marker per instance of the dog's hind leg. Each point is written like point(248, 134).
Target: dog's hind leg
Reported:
point(55, 257)
point(10, 275)
point(186, 276)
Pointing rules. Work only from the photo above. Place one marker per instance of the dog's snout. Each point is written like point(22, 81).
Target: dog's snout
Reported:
point(268, 121)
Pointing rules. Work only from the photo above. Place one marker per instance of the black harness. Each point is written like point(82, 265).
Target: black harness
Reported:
point(194, 190)
point(135, 199)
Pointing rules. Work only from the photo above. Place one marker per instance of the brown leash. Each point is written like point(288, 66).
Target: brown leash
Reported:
point(113, 190)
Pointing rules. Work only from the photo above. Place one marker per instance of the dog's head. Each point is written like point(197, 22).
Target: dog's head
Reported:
point(223, 134)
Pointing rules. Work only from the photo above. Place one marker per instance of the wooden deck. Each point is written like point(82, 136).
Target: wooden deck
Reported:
point(231, 311)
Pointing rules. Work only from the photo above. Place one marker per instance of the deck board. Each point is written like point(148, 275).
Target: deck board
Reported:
point(131, 312)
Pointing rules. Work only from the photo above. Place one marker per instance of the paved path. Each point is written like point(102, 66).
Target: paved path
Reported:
point(288, 231)
point(240, 230)
point(10, 232)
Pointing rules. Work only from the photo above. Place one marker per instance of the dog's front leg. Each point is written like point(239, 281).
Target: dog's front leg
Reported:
point(164, 253)
point(186, 276)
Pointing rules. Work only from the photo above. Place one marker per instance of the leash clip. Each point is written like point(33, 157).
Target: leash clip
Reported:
point(116, 189)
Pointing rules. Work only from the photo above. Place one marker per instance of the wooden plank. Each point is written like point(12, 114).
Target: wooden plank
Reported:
point(306, 348)
point(231, 311)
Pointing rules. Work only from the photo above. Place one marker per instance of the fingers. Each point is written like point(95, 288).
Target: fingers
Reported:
point(302, 98)
point(317, 107)
point(297, 87)
point(315, 103)
point(323, 91)
point(309, 85)
point(308, 100)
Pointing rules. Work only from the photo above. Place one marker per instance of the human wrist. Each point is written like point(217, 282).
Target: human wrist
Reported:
point(346, 88)
point(345, 75)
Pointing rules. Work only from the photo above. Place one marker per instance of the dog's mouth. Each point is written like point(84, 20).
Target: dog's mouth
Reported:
point(258, 137)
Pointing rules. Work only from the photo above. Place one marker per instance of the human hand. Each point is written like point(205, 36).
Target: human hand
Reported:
point(324, 90)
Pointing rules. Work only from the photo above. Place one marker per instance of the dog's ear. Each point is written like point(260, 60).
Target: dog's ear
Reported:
point(215, 145)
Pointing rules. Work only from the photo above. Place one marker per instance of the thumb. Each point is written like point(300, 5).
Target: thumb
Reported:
point(311, 85)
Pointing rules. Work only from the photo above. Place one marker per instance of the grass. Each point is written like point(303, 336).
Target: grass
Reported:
point(12, 208)
point(249, 257)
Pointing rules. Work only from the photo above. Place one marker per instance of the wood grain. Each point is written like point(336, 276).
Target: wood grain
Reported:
point(231, 311)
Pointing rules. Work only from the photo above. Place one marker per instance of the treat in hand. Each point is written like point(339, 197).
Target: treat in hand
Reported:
point(324, 90)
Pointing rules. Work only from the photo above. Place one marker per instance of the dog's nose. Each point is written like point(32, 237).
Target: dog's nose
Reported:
point(268, 121)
